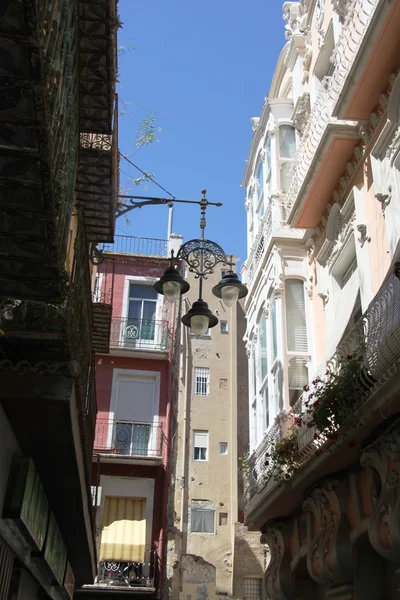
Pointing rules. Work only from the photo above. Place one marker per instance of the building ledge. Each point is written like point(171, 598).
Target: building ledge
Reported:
point(318, 170)
point(130, 460)
point(280, 499)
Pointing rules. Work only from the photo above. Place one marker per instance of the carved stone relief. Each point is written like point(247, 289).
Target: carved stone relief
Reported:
point(341, 7)
point(278, 576)
point(329, 558)
point(383, 462)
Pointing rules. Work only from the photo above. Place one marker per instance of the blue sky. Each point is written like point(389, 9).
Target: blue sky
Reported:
point(204, 69)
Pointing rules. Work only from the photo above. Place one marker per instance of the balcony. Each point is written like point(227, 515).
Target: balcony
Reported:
point(372, 393)
point(130, 574)
point(47, 375)
point(366, 54)
point(97, 182)
point(128, 438)
point(39, 140)
point(128, 244)
point(326, 146)
point(140, 335)
point(260, 244)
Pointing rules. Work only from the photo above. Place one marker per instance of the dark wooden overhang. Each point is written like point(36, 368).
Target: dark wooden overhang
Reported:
point(38, 144)
point(97, 178)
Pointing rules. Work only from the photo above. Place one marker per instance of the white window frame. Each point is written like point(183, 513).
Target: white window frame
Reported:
point(281, 159)
point(205, 435)
point(135, 375)
point(248, 579)
point(204, 386)
point(221, 446)
point(226, 330)
point(199, 508)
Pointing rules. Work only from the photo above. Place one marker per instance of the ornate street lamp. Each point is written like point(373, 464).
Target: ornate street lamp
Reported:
point(201, 256)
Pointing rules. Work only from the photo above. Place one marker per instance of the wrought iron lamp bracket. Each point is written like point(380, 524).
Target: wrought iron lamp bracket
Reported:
point(202, 256)
point(96, 256)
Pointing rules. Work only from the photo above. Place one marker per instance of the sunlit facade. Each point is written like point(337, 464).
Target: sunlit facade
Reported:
point(322, 199)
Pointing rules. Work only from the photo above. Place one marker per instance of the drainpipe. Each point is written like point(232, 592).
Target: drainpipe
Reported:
point(185, 446)
point(173, 362)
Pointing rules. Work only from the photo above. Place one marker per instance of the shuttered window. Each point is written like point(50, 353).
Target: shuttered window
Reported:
point(200, 445)
point(296, 326)
point(263, 346)
point(123, 536)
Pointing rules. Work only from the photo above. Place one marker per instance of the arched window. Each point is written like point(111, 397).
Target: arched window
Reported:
point(287, 151)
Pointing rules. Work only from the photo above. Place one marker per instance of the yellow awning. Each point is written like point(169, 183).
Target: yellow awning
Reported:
point(123, 536)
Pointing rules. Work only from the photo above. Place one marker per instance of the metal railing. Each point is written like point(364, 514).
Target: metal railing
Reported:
point(379, 332)
point(140, 334)
point(130, 574)
point(128, 438)
point(128, 244)
point(260, 244)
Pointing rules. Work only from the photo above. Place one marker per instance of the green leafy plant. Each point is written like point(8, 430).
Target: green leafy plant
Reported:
point(282, 460)
point(243, 462)
point(331, 402)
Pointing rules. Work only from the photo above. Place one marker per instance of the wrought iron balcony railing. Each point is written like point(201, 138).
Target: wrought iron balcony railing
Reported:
point(379, 332)
point(260, 244)
point(128, 244)
point(128, 438)
point(140, 334)
point(130, 574)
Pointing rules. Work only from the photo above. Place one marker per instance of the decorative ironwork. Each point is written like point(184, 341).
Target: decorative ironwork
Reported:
point(140, 334)
point(130, 574)
point(202, 256)
point(128, 438)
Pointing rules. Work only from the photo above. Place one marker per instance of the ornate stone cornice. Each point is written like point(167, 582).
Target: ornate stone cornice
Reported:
point(382, 460)
point(329, 554)
point(278, 576)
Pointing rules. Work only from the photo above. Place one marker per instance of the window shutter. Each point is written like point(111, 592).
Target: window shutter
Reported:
point(298, 374)
point(296, 326)
point(200, 440)
point(263, 346)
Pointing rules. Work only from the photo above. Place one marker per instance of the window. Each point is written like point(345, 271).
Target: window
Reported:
point(263, 346)
point(201, 381)
point(202, 518)
point(296, 326)
point(206, 334)
point(265, 408)
point(274, 334)
point(200, 445)
point(223, 448)
point(142, 305)
point(223, 519)
point(260, 189)
point(252, 588)
point(224, 326)
point(298, 378)
point(287, 150)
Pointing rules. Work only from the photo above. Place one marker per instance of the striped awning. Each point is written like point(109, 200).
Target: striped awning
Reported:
point(123, 536)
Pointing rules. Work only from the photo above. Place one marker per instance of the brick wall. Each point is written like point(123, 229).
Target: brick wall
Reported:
point(248, 558)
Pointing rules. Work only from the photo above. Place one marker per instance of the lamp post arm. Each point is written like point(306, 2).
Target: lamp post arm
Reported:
point(151, 200)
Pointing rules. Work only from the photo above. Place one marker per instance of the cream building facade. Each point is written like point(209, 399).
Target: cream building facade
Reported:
point(323, 210)
point(209, 550)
